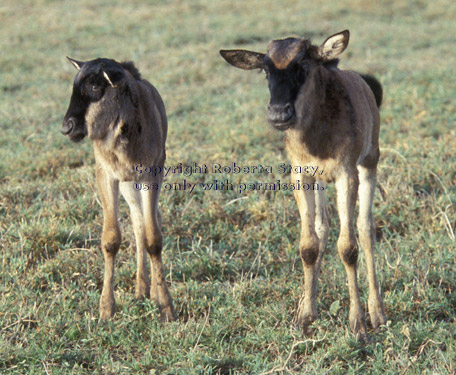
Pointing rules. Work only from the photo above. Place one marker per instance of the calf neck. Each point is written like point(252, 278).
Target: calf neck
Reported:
point(330, 118)
point(125, 118)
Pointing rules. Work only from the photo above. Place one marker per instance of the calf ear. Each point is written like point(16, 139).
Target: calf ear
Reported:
point(242, 59)
point(77, 64)
point(334, 45)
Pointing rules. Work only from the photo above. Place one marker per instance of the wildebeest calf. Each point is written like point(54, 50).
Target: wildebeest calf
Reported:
point(331, 120)
point(125, 118)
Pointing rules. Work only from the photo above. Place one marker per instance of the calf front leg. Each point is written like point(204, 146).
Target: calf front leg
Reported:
point(309, 253)
point(108, 189)
point(347, 186)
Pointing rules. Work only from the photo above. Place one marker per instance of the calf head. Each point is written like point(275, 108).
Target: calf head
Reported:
point(287, 63)
point(94, 81)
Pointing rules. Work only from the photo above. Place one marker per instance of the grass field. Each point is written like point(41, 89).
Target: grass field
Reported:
point(231, 257)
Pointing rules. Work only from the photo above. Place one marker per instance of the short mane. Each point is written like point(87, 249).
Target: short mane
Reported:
point(130, 66)
point(331, 64)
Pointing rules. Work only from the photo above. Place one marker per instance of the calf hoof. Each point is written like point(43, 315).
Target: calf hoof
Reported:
point(304, 320)
point(377, 315)
point(167, 314)
point(142, 290)
point(304, 325)
point(359, 329)
point(107, 308)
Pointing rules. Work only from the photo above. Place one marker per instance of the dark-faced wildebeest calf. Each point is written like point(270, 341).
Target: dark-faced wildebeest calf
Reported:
point(331, 120)
point(125, 118)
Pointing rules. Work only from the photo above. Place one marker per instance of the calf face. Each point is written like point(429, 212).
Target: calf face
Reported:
point(287, 64)
point(89, 87)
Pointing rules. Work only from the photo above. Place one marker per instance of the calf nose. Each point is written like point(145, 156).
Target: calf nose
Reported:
point(280, 114)
point(68, 126)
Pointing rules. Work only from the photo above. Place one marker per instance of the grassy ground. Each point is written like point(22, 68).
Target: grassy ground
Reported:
point(231, 258)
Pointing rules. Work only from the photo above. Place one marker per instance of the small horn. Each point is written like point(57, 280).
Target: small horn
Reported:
point(108, 79)
point(77, 64)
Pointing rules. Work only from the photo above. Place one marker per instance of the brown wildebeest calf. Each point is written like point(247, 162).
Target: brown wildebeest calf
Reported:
point(125, 118)
point(331, 120)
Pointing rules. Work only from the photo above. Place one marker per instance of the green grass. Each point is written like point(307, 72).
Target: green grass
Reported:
point(231, 258)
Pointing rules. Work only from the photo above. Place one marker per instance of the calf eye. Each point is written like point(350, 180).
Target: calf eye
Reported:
point(95, 88)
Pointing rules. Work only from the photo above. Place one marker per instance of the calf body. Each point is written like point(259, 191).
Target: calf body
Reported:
point(125, 118)
point(331, 119)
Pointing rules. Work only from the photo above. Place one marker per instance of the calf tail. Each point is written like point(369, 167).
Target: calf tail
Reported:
point(375, 86)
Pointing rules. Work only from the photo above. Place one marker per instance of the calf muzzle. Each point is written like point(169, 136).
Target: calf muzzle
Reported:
point(70, 129)
point(281, 116)
point(67, 126)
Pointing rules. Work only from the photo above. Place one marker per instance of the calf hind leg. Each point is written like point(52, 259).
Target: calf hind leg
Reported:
point(321, 224)
point(145, 218)
point(133, 198)
point(154, 244)
point(346, 186)
point(366, 232)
